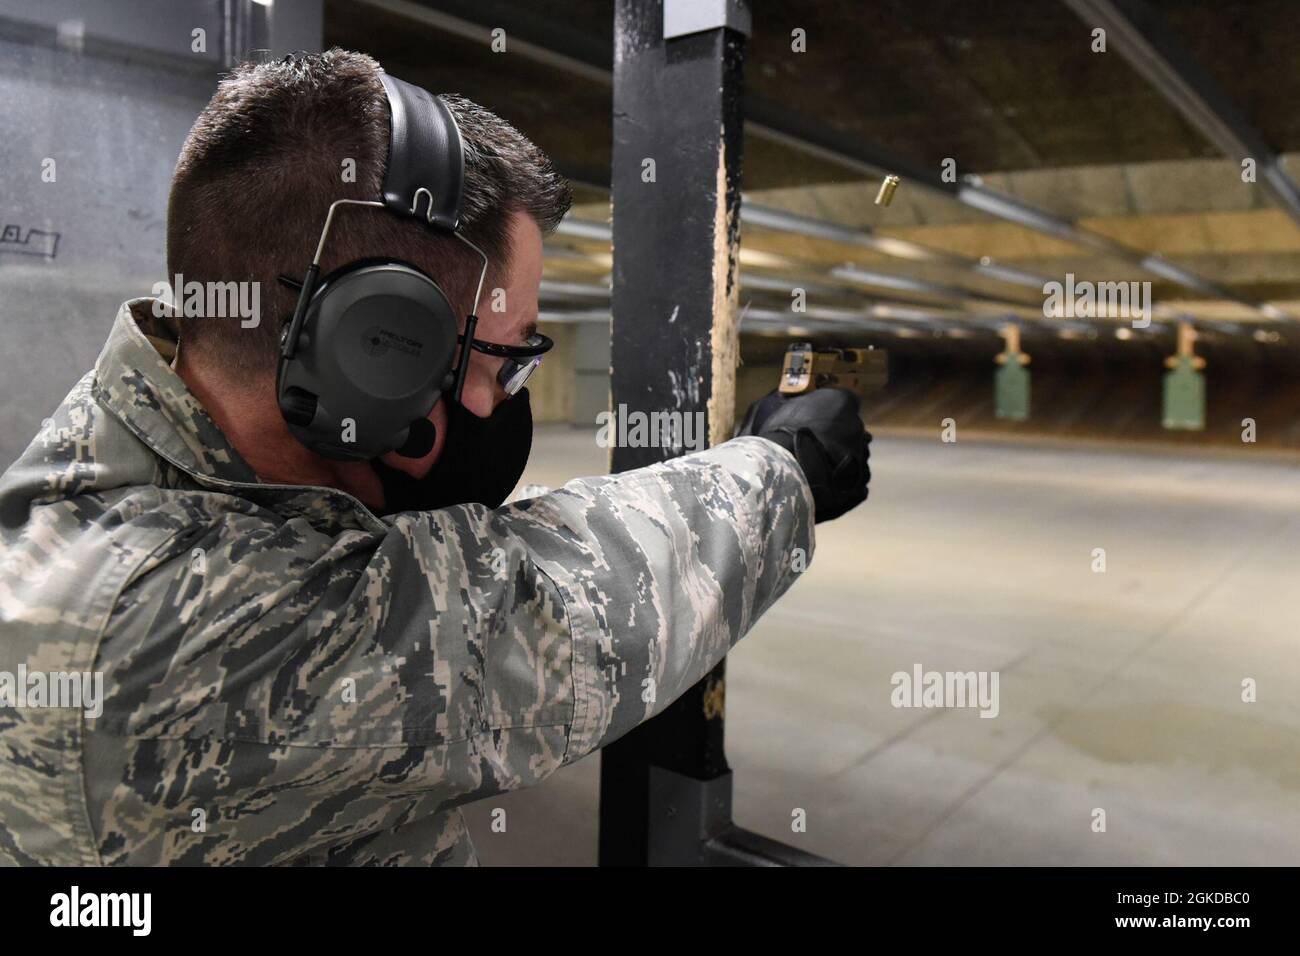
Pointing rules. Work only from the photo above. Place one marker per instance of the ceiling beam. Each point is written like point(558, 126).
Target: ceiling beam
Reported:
point(555, 45)
point(846, 276)
point(1146, 41)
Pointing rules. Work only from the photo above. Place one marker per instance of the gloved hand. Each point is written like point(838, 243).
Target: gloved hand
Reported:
point(823, 431)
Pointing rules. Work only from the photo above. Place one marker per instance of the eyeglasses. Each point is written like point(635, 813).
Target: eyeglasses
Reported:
point(520, 360)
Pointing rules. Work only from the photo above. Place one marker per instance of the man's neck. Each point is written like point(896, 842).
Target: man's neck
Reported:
point(249, 416)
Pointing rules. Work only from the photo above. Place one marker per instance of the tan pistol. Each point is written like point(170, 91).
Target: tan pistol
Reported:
point(805, 368)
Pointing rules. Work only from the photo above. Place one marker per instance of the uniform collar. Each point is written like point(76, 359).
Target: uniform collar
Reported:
point(135, 381)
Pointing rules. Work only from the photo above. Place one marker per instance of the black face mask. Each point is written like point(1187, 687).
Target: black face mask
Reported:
point(481, 461)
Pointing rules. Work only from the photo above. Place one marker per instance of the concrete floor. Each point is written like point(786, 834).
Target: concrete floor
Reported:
point(1118, 690)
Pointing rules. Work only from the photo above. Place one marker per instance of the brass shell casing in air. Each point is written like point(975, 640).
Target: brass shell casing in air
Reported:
point(887, 188)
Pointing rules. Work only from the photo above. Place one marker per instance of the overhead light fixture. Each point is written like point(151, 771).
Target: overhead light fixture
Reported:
point(994, 270)
point(573, 228)
point(762, 260)
point(902, 249)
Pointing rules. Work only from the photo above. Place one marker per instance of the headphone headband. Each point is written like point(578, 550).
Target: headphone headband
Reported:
point(370, 349)
point(426, 156)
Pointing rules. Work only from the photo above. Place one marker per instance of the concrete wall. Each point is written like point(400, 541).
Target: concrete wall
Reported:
point(590, 373)
point(551, 388)
point(108, 91)
point(94, 236)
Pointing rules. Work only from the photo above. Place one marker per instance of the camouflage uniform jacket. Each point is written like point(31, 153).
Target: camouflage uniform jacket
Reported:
point(290, 679)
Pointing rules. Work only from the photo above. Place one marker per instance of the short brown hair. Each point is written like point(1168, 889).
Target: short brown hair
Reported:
point(267, 156)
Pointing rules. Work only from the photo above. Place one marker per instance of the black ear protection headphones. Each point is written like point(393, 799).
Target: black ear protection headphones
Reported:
point(370, 348)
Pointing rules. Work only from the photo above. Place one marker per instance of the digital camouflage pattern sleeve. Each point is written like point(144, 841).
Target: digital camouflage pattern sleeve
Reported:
point(314, 690)
point(288, 681)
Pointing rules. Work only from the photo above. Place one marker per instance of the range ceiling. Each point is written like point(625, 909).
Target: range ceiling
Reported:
point(1010, 90)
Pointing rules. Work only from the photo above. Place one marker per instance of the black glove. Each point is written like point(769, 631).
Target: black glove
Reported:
point(824, 433)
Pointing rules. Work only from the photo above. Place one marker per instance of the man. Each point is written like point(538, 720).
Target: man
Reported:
point(308, 660)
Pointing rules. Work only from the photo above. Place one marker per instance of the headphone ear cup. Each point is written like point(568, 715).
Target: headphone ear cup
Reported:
point(378, 342)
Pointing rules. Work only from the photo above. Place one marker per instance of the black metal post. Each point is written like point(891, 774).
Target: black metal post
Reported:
point(665, 788)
